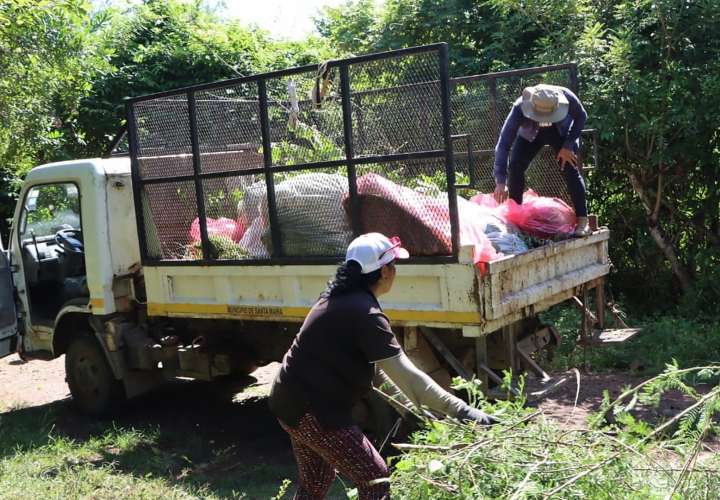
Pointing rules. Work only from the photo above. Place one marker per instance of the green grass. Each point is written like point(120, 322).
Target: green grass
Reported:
point(687, 340)
point(46, 453)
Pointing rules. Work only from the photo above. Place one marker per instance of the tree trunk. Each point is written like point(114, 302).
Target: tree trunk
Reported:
point(679, 270)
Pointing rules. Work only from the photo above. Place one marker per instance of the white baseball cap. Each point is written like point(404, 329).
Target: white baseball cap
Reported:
point(374, 250)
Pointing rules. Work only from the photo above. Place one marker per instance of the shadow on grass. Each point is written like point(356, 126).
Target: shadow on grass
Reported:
point(192, 434)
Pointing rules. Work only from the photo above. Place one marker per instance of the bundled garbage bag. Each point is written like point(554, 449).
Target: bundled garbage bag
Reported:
point(422, 222)
point(540, 216)
point(310, 215)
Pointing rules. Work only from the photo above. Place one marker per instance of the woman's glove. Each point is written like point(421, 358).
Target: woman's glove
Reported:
point(470, 414)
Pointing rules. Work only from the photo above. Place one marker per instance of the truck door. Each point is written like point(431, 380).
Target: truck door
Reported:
point(8, 317)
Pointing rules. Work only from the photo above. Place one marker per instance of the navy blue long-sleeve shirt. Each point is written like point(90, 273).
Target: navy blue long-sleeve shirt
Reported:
point(516, 124)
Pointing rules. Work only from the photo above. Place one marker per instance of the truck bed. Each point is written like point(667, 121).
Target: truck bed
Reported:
point(447, 295)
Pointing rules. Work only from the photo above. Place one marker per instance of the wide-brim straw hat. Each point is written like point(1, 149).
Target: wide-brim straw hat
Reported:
point(544, 103)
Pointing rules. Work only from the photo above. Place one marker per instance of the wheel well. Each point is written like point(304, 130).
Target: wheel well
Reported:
point(70, 325)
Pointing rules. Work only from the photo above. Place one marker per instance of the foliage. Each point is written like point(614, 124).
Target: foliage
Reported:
point(221, 247)
point(162, 45)
point(528, 456)
point(47, 60)
point(349, 26)
point(305, 144)
point(675, 334)
point(644, 69)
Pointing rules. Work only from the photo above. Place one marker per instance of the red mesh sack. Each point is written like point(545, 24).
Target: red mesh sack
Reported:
point(421, 222)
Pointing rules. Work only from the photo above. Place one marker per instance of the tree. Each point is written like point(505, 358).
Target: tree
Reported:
point(47, 57)
point(166, 44)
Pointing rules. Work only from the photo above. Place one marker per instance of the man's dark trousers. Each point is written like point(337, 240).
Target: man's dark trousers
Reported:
point(523, 152)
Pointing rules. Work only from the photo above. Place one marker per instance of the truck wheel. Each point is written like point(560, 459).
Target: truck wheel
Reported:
point(92, 384)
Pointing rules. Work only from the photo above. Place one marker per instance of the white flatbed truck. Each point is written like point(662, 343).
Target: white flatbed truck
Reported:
point(80, 276)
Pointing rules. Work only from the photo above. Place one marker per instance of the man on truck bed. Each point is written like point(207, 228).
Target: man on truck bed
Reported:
point(545, 115)
point(330, 366)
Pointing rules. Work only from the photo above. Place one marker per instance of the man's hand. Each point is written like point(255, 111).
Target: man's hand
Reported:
point(566, 156)
point(501, 193)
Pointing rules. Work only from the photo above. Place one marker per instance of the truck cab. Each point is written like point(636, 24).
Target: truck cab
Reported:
point(73, 238)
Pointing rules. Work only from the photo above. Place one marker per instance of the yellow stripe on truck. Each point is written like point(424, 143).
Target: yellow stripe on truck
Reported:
point(285, 313)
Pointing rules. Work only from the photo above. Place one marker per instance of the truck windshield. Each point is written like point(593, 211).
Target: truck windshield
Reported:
point(50, 208)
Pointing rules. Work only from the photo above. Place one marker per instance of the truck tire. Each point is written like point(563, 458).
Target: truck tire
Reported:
point(94, 389)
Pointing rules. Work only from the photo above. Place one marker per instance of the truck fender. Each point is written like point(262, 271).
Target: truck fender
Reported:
point(76, 319)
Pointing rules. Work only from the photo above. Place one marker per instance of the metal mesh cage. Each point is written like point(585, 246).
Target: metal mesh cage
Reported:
point(237, 217)
point(301, 131)
point(270, 168)
point(164, 140)
point(169, 210)
point(288, 166)
point(397, 105)
point(228, 128)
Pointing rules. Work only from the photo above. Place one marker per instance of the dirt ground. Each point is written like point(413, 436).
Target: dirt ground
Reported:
point(39, 383)
point(238, 413)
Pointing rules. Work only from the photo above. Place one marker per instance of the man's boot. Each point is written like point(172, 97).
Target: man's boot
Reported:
point(582, 228)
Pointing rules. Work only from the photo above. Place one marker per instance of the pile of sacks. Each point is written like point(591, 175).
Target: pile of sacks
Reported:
point(314, 209)
point(423, 222)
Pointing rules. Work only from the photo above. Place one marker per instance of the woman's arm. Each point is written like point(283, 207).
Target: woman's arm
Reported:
point(424, 391)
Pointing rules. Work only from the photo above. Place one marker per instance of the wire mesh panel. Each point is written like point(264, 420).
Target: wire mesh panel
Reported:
point(288, 166)
point(397, 105)
point(164, 143)
point(169, 211)
point(480, 105)
point(236, 217)
point(228, 128)
point(302, 130)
